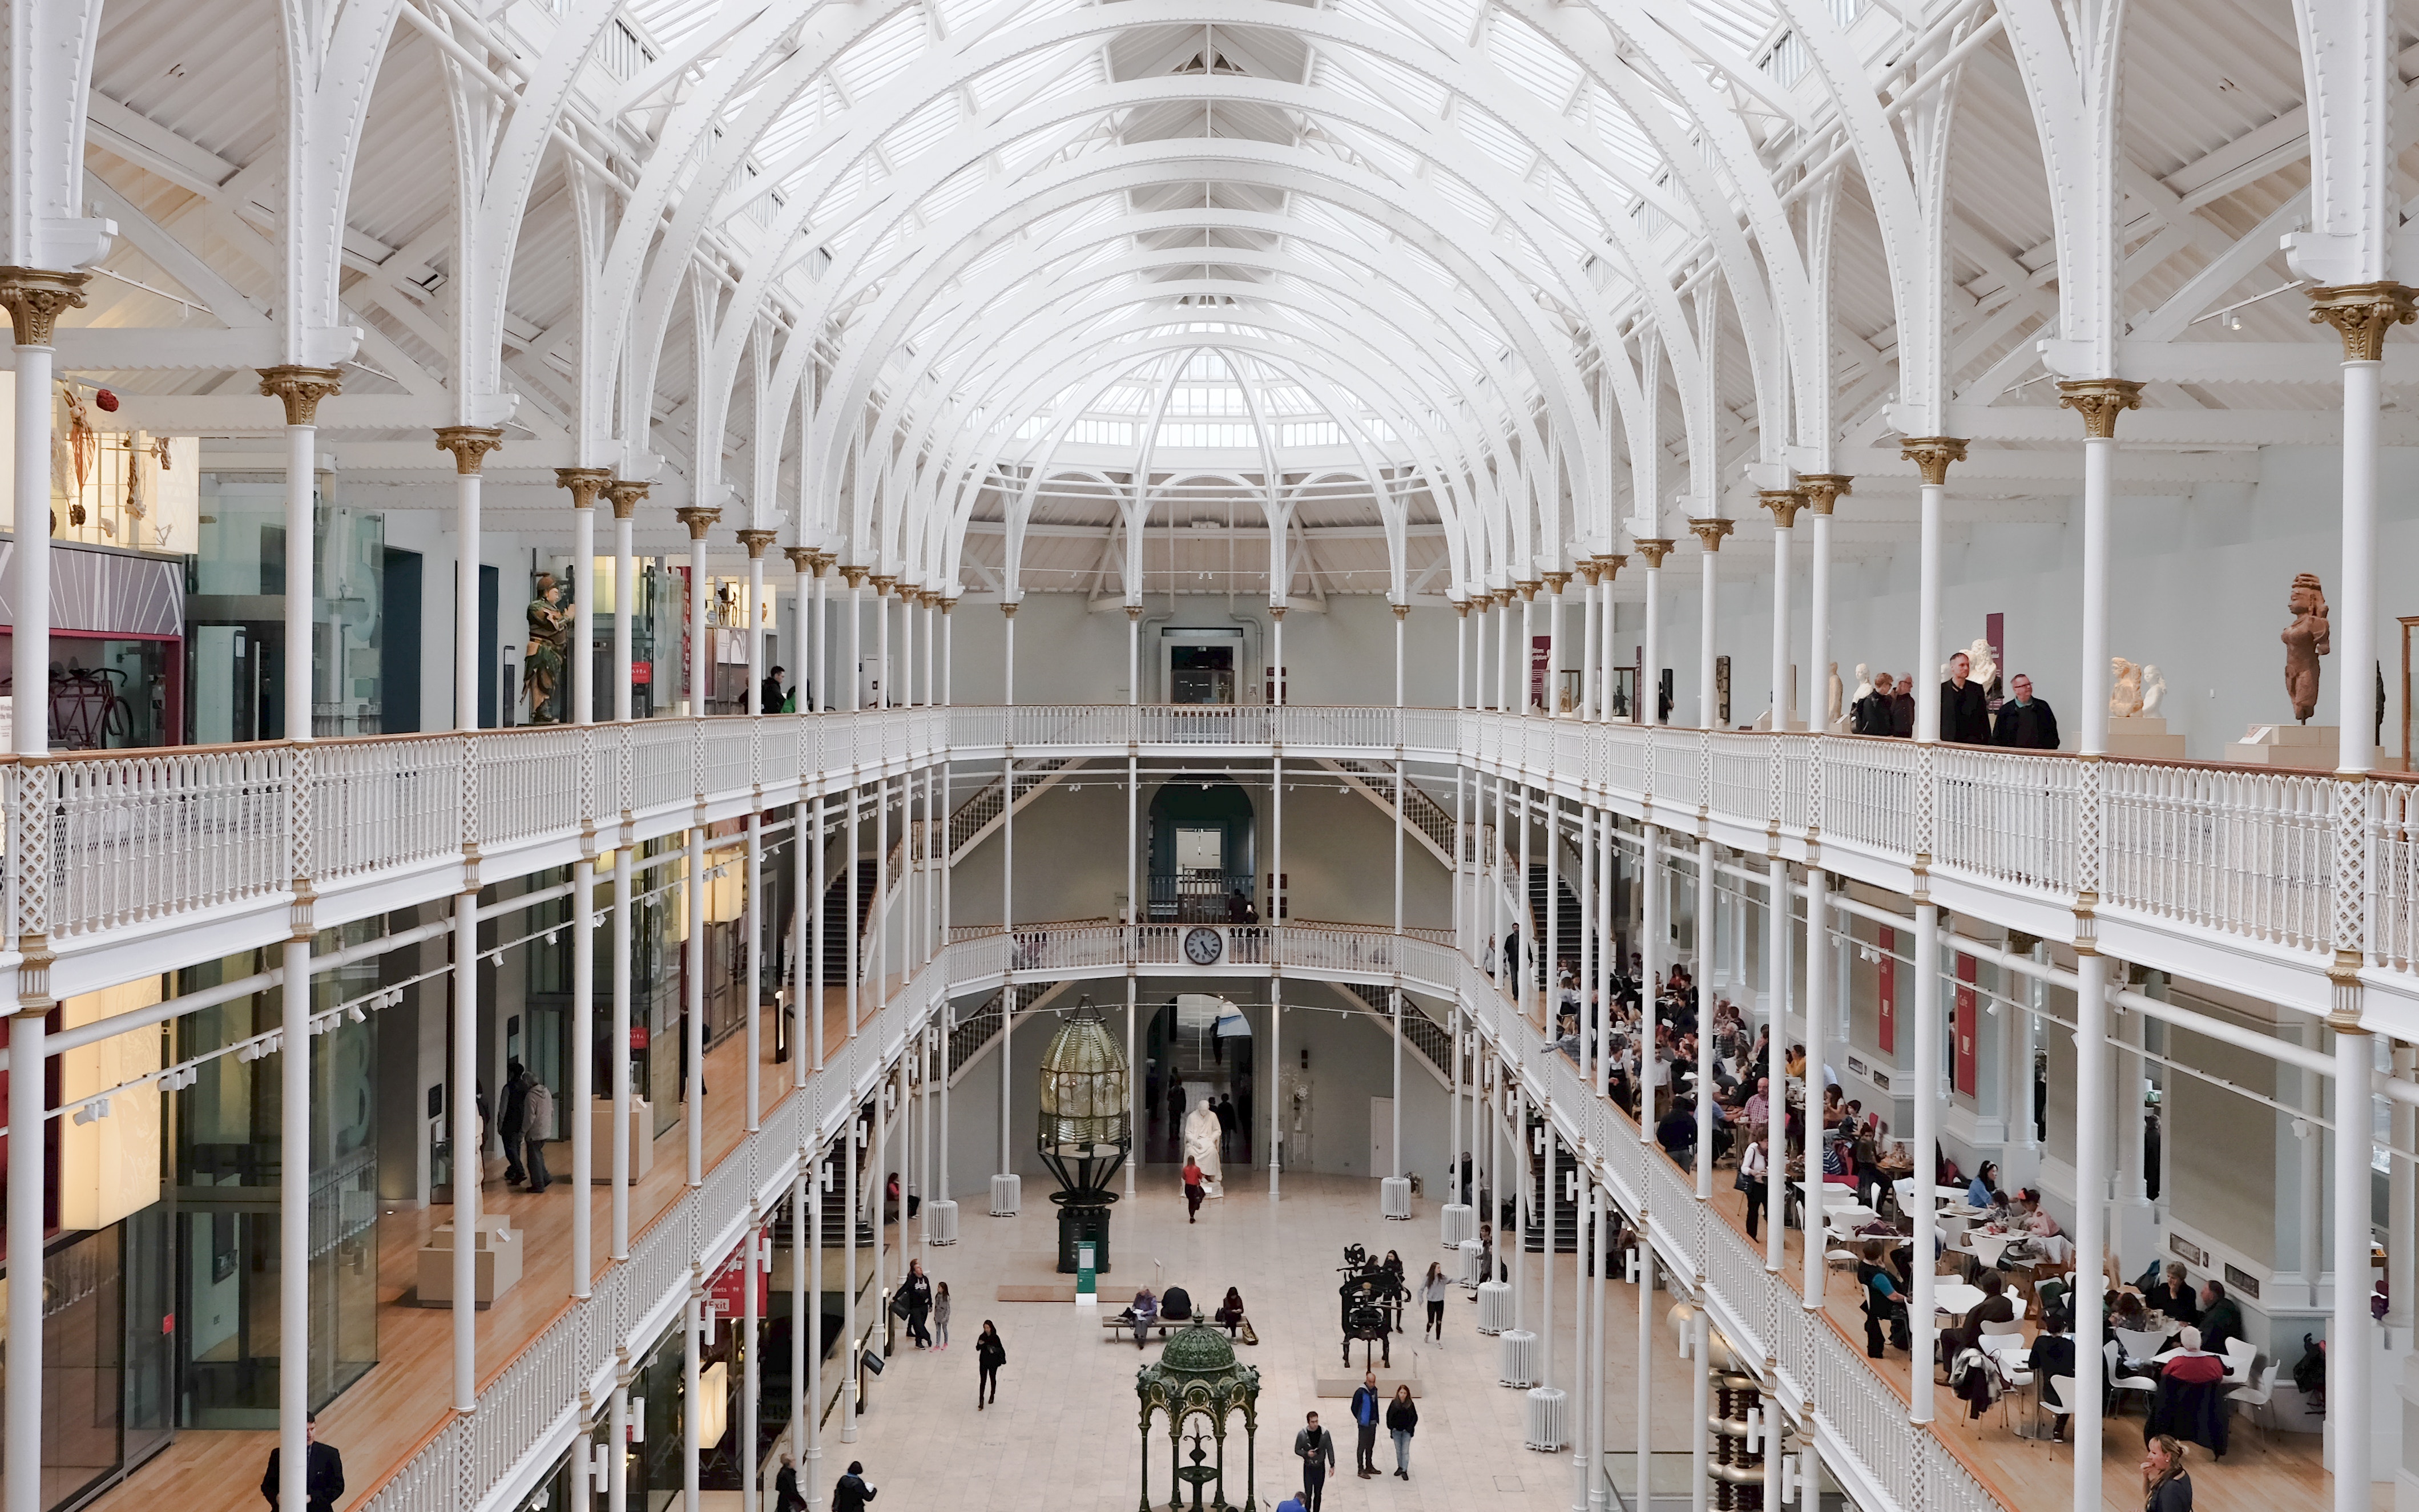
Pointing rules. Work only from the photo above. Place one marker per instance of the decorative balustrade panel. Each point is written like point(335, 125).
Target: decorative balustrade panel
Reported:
point(1680, 766)
point(1869, 794)
point(382, 804)
point(660, 774)
point(2008, 816)
point(2250, 854)
point(134, 839)
point(526, 783)
point(2394, 875)
point(1739, 770)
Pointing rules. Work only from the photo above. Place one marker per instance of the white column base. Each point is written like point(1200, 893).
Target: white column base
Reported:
point(1518, 1357)
point(940, 1222)
point(1494, 1306)
point(1006, 1192)
point(1548, 1413)
point(1395, 1198)
point(1472, 1256)
point(1460, 1223)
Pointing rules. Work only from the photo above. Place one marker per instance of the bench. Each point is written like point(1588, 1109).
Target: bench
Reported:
point(1121, 1323)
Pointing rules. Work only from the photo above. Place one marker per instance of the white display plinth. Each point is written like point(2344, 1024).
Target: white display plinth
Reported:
point(600, 1131)
point(1548, 1414)
point(1006, 1191)
point(1460, 1223)
point(1519, 1357)
point(497, 1263)
point(2144, 736)
point(1474, 1256)
point(2301, 746)
point(940, 1222)
point(1395, 1198)
point(1494, 1306)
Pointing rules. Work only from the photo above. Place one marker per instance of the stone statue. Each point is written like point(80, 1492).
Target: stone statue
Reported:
point(549, 638)
point(2125, 688)
point(1834, 696)
point(2155, 689)
point(2306, 640)
point(1201, 1129)
point(1982, 669)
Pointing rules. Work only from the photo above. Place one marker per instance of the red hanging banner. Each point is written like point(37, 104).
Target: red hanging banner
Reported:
point(1966, 1029)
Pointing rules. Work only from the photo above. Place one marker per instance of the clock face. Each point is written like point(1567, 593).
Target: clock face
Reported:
point(1204, 946)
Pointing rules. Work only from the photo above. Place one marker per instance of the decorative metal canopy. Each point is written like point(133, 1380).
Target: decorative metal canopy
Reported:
point(1197, 1379)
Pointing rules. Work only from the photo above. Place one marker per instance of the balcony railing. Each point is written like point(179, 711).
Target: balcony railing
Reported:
point(103, 849)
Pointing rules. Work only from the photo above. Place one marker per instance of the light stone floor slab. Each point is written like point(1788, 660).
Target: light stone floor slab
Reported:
point(1064, 1434)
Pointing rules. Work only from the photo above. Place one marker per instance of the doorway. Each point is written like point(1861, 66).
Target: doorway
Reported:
point(1201, 667)
point(1201, 853)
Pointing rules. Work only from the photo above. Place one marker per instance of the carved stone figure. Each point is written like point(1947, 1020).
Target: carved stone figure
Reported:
point(1201, 1128)
point(2155, 689)
point(2124, 689)
point(2306, 640)
point(1834, 696)
point(1982, 669)
point(549, 637)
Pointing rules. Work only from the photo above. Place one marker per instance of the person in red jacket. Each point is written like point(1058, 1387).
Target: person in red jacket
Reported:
point(1192, 1192)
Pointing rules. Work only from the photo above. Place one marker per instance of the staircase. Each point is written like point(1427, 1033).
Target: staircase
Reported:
point(836, 923)
point(1375, 781)
point(974, 1032)
point(974, 819)
point(1568, 941)
point(1431, 1039)
point(1567, 1215)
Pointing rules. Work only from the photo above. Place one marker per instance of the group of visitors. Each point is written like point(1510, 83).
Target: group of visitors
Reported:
point(1151, 1309)
point(1316, 1447)
point(1970, 715)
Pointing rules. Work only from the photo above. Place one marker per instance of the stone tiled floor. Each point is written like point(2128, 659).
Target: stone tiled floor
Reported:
point(1064, 1434)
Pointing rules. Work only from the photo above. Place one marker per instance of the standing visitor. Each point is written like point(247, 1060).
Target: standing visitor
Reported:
point(1402, 1421)
point(852, 1493)
point(940, 1315)
point(323, 1471)
point(785, 1486)
point(989, 1355)
point(917, 1292)
point(1316, 1448)
point(2165, 1488)
point(1432, 1292)
point(512, 1119)
point(1365, 1408)
point(1193, 1191)
point(2025, 722)
point(537, 1127)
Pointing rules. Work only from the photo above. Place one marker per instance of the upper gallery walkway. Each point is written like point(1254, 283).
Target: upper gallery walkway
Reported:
point(2258, 877)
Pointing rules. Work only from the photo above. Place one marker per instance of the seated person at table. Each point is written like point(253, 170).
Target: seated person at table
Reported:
point(2173, 1296)
point(2221, 1317)
point(1994, 1307)
point(1984, 1187)
point(2191, 1362)
point(1677, 1133)
point(2053, 1355)
point(2041, 1229)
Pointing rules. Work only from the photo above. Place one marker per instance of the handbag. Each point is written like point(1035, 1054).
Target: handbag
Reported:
point(899, 1305)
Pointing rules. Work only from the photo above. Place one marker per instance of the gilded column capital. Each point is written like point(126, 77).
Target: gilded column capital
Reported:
point(1784, 504)
point(1555, 582)
point(2362, 314)
point(947, 601)
point(697, 518)
point(34, 297)
point(584, 482)
point(1007, 610)
point(1824, 489)
point(1611, 564)
point(625, 494)
point(1589, 570)
point(883, 584)
point(821, 559)
point(1527, 588)
point(1654, 549)
point(2099, 401)
point(856, 576)
point(1133, 613)
point(301, 388)
point(1710, 530)
point(756, 541)
point(1462, 606)
point(470, 445)
point(1401, 610)
point(1931, 455)
point(802, 558)
point(1276, 612)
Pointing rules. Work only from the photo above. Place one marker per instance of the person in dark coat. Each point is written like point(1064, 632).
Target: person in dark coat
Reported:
point(989, 1355)
point(852, 1493)
point(2165, 1488)
point(1903, 708)
point(512, 1118)
point(1872, 715)
point(1316, 1448)
point(2025, 722)
point(2053, 1355)
point(1965, 708)
point(2173, 1297)
point(786, 1496)
point(2221, 1317)
point(769, 697)
point(917, 1292)
point(323, 1473)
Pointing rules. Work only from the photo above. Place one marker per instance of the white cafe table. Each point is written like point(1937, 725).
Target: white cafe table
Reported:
point(1955, 1298)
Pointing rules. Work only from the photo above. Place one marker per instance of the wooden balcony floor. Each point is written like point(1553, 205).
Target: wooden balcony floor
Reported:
point(384, 1418)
